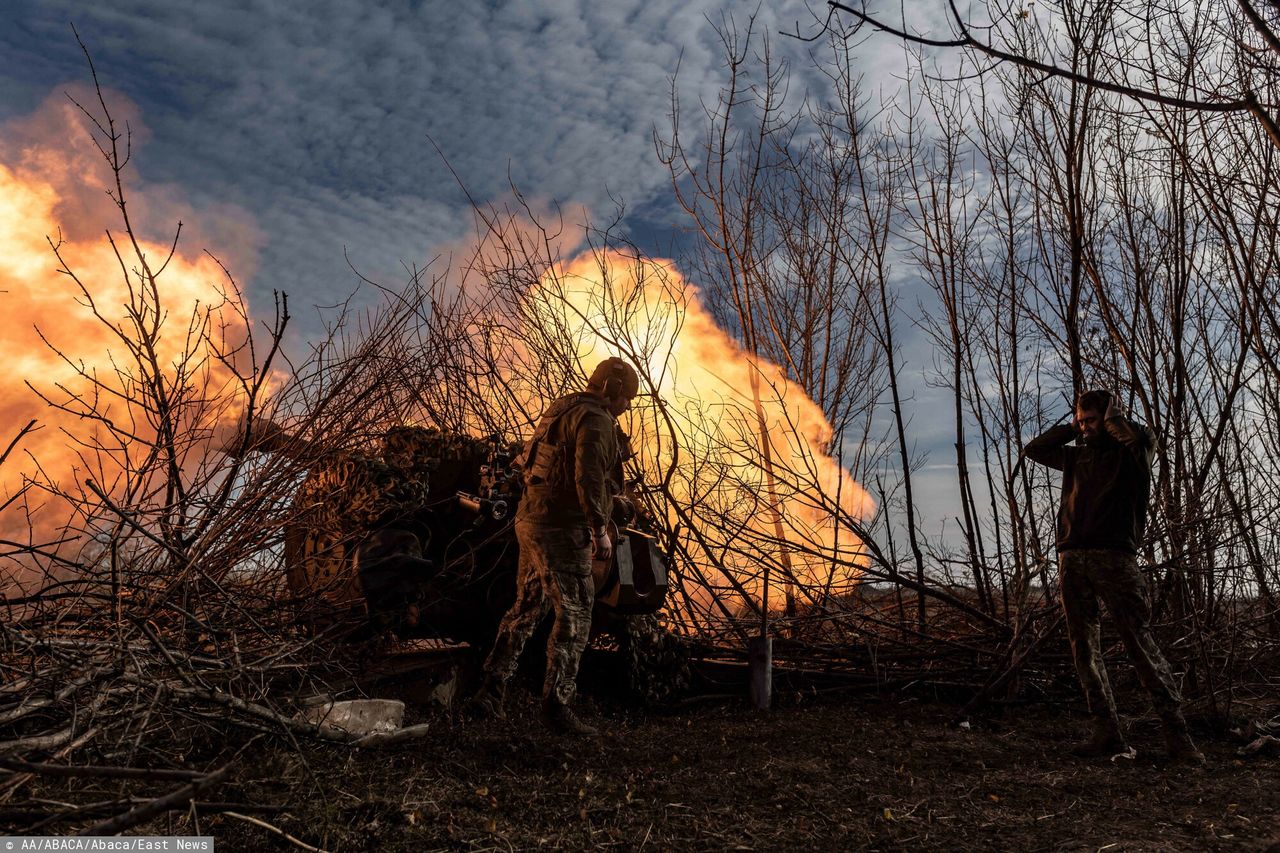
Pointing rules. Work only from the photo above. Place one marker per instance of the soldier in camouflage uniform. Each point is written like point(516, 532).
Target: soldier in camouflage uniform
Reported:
point(1106, 484)
point(572, 471)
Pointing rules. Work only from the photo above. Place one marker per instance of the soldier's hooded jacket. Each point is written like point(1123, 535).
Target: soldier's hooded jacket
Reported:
point(572, 465)
point(1106, 484)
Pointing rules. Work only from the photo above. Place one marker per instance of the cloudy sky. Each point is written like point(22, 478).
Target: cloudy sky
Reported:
point(309, 120)
point(314, 115)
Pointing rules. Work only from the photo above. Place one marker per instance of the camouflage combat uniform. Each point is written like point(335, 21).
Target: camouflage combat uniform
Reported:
point(571, 469)
point(1092, 574)
point(1106, 486)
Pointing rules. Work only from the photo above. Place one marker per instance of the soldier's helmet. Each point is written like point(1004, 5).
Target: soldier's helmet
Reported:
point(613, 377)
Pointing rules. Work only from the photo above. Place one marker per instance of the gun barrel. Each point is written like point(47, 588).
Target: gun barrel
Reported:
point(495, 509)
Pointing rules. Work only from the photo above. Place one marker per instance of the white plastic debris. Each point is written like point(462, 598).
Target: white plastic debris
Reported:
point(358, 717)
point(446, 692)
point(964, 724)
point(1262, 745)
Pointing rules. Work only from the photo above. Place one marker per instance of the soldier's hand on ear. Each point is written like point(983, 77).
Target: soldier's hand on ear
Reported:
point(601, 545)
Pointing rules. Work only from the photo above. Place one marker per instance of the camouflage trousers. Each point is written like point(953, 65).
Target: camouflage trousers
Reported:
point(1090, 575)
point(554, 575)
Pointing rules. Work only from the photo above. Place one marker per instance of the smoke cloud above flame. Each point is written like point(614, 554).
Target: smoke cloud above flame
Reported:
point(54, 191)
point(742, 450)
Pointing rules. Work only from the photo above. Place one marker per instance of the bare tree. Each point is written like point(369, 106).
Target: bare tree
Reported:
point(1237, 94)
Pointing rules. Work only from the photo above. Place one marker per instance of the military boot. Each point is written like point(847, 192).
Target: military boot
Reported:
point(558, 717)
point(487, 702)
point(1104, 740)
point(1178, 743)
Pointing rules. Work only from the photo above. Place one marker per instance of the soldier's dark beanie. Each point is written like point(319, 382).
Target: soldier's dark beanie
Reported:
point(614, 370)
point(1094, 401)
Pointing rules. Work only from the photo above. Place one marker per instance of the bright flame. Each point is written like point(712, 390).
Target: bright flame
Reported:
point(750, 447)
point(53, 186)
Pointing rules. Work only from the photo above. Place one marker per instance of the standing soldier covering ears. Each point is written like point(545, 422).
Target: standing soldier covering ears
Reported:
point(572, 470)
point(1106, 485)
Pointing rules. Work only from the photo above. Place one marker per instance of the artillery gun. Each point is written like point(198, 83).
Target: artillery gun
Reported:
point(419, 542)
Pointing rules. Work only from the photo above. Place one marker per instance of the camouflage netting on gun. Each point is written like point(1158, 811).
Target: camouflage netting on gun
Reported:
point(657, 661)
point(354, 494)
point(346, 498)
point(385, 541)
point(376, 542)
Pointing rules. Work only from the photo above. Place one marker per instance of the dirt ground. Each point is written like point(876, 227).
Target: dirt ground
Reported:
point(873, 773)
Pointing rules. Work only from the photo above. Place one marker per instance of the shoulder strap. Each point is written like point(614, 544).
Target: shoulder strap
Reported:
point(530, 455)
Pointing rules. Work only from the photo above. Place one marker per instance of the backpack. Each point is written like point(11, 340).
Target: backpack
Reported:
point(542, 460)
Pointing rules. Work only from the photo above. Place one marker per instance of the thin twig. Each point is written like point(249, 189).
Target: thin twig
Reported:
point(297, 842)
point(176, 800)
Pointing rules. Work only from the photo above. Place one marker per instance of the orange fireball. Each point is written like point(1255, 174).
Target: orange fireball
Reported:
point(73, 305)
